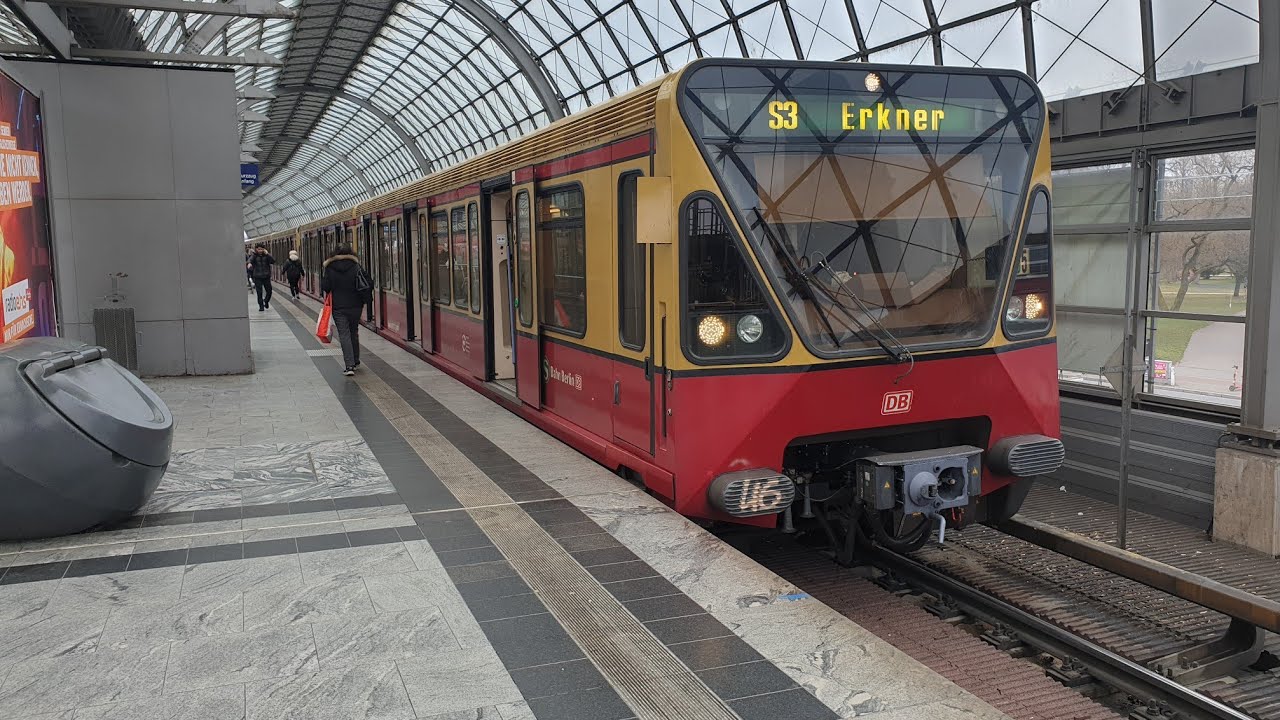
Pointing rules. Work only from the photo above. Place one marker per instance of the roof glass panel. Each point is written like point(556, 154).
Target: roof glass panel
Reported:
point(888, 21)
point(1086, 46)
point(1188, 35)
point(824, 30)
point(994, 42)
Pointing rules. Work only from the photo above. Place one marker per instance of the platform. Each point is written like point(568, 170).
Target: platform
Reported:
point(393, 545)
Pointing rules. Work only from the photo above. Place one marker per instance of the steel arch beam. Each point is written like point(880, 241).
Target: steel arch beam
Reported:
point(355, 171)
point(519, 52)
point(406, 139)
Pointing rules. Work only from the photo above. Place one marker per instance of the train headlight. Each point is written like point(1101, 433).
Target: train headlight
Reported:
point(712, 330)
point(750, 329)
point(1016, 308)
point(1034, 306)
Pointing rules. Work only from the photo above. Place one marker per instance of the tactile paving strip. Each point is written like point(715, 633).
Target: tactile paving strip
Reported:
point(651, 680)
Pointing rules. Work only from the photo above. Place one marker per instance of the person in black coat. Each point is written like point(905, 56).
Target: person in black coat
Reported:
point(293, 272)
point(260, 263)
point(341, 281)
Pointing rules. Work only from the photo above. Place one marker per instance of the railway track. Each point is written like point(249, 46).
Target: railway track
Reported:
point(1103, 629)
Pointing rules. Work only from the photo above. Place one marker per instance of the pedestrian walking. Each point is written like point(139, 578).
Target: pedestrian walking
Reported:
point(293, 272)
point(350, 289)
point(260, 263)
point(248, 269)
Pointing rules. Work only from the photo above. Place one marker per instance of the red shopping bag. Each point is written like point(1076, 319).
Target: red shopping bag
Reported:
point(324, 326)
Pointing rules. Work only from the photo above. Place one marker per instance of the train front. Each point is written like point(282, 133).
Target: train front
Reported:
point(867, 299)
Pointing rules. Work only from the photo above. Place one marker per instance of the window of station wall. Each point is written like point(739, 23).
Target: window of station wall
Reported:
point(562, 259)
point(440, 256)
point(1191, 244)
point(631, 267)
point(461, 273)
point(473, 232)
point(524, 258)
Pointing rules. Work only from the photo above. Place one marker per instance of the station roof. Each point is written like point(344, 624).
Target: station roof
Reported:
point(367, 95)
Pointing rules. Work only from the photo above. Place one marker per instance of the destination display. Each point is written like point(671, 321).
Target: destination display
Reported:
point(843, 116)
point(835, 106)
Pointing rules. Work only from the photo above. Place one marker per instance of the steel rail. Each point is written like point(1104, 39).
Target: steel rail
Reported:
point(1109, 667)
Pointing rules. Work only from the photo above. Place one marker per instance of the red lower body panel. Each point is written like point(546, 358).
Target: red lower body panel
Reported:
point(742, 421)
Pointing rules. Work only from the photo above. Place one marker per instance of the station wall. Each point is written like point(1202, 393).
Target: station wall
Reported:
point(143, 166)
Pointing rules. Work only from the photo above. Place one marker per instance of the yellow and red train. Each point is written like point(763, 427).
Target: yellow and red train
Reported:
point(752, 285)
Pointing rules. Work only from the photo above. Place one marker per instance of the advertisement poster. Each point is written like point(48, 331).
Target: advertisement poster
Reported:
point(26, 255)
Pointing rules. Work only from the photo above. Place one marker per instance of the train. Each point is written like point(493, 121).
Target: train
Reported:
point(771, 292)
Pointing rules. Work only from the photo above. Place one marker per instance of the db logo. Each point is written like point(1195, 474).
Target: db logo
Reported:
point(896, 402)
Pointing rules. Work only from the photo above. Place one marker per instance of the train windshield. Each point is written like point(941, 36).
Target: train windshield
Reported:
point(880, 201)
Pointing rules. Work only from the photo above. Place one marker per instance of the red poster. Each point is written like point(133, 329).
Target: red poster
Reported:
point(26, 256)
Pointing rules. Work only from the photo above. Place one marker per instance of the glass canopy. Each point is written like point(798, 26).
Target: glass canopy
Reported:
point(372, 94)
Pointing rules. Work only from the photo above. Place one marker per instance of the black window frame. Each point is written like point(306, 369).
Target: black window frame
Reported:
point(539, 248)
point(631, 176)
point(783, 322)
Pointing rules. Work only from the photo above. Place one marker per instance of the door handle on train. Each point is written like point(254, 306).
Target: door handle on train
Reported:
point(648, 368)
point(617, 392)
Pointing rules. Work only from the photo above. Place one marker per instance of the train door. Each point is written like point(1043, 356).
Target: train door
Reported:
point(422, 268)
point(367, 252)
point(528, 355)
point(501, 281)
point(633, 367)
point(441, 277)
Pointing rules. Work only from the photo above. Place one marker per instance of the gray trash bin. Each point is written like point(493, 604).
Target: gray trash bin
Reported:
point(83, 442)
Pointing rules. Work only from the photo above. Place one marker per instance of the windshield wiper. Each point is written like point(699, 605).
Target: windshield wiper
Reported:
point(799, 280)
point(892, 346)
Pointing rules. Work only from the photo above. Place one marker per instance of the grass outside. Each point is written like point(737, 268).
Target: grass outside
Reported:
point(1207, 296)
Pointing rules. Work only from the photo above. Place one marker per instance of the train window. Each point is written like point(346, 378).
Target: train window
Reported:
point(397, 247)
point(473, 224)
point(460, 270)
point(1029, 311)
point(384, 258)
point(524, 258)
point(422, 255)
point(440, 255)
point(728, 316)
point(631, 270)
point(562, 259)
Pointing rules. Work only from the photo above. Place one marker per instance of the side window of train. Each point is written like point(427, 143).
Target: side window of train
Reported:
point(728, 316)
point(631, 267)
point(461, 273)
point(562, 259)
point(440, 256)
point(473, 225)
point(422, 258)
point(397, 258)
point(524, 257)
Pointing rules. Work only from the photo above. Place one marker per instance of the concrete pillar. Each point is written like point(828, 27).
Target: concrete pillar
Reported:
point(1246, 500)
point(1246, 494)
